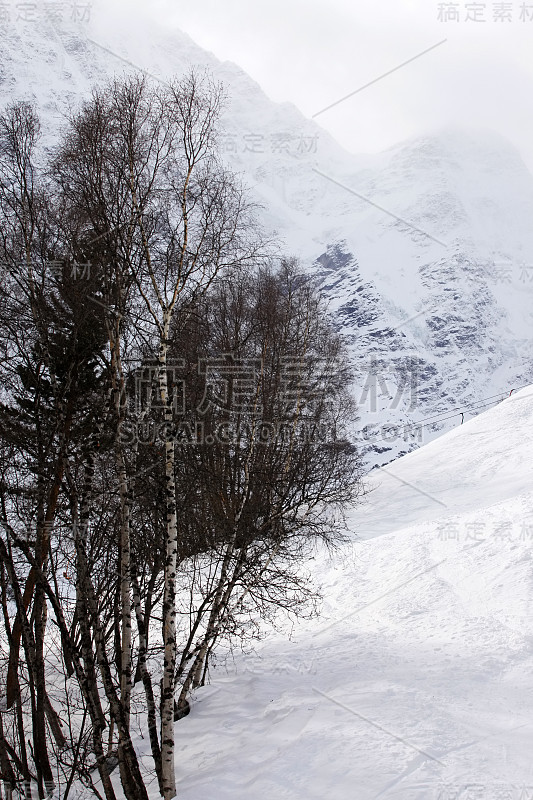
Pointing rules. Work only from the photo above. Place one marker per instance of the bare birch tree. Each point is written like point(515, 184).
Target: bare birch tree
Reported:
point(105, 532)
point(141, 168)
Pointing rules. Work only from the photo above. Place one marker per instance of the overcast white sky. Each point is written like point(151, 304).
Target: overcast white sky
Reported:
point(312, 53)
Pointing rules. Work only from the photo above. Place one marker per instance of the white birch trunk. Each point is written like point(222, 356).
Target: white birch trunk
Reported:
point(169, 597)
point(124, 544)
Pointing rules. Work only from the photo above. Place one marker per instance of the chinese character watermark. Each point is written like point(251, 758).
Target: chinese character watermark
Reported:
point(510, 272)
point(219, 400)
point(481, 791)
point(474, 11)
point(516, 530)
point(50, 11)
point(284, 142)
point(390, 385)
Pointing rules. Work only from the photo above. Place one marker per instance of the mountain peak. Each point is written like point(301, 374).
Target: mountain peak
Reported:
point(458, 147)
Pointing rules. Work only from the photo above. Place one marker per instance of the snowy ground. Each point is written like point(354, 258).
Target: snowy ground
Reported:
point(415, 682)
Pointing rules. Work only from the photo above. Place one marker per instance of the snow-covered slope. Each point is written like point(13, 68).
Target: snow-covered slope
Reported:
point(425, 251)
point(414, 683)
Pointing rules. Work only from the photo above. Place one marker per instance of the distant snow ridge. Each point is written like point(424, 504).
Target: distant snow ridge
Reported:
point(424, 251)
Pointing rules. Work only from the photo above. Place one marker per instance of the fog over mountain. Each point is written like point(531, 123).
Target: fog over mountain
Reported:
point(424, 251)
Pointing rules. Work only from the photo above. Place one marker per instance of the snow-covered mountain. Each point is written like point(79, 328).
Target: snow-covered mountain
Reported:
point(413, 683)
point(425, 251)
